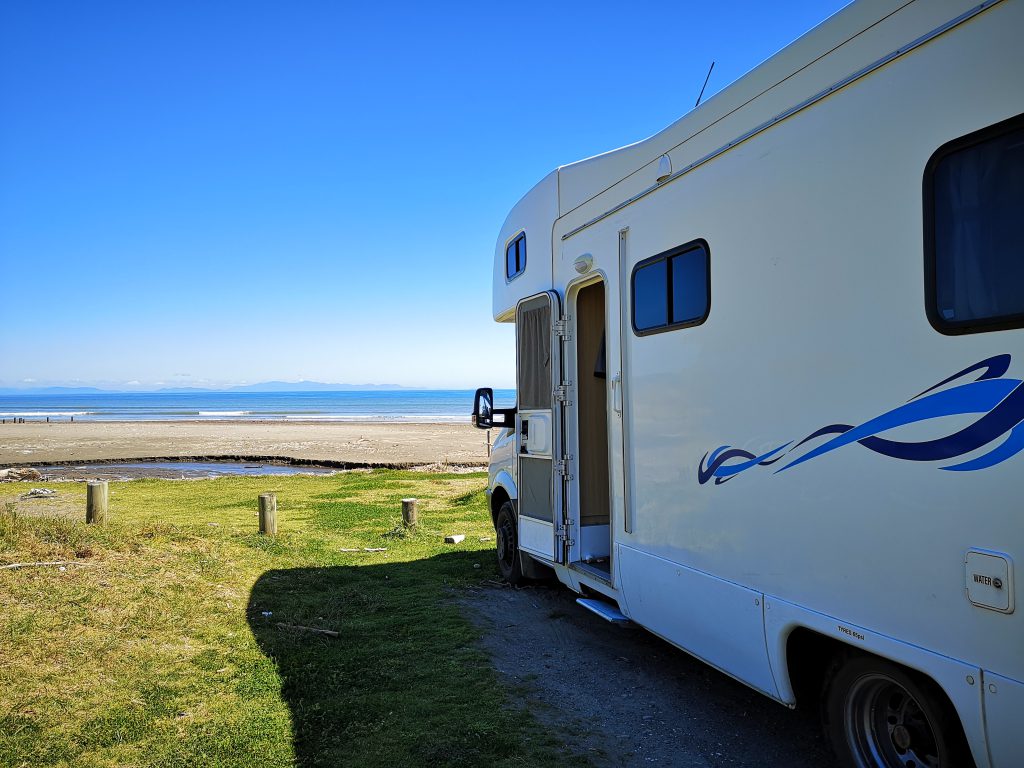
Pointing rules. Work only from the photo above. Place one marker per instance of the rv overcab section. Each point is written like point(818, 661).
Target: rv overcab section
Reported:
point(523, 253)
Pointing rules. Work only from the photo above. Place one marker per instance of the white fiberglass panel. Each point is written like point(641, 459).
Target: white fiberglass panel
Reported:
point(594, 542)
point(817, 331)
point(532, 215)
point(1004, 706)
point(537, 537)
point(719, 622)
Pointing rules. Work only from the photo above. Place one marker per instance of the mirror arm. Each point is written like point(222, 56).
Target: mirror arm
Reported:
point(507, 415)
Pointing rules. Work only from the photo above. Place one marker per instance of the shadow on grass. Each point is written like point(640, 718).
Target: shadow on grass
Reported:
point(402, 682)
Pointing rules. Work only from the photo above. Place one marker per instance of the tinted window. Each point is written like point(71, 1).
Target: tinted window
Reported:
point(510, 260)
point(974, 193)
point(689, 286)
point(672, 289)
point(515, 256)
point(650, 297)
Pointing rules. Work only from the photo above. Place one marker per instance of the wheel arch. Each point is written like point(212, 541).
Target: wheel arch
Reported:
point(812, 658)
point(807, 659)
point(502, 490)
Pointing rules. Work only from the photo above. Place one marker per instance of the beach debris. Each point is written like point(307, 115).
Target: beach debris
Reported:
point(375, 549)
point(450, 469)
point(38, 493)
point(454, 538)
point(314, 630)
point(61, 563)
point(19, 474)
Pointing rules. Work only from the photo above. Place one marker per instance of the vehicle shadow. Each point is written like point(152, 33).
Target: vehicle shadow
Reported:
point(378, 667)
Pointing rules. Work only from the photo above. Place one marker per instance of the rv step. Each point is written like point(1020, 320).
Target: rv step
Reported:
point(606, 611)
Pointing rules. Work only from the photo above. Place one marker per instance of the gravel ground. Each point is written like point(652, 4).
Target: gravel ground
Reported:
point(623, 697)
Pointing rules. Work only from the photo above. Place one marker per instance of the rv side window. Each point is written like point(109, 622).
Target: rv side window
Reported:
point(974, 231)
point(515, 256)
point(650, 297)
point(672, 290)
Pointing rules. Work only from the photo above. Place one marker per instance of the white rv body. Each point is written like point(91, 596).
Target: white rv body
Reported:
point(804, 181)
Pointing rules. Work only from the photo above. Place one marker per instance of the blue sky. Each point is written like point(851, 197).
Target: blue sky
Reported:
point(216, 193)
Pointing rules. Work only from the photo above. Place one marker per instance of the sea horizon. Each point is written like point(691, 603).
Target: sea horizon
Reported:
point(404, 405)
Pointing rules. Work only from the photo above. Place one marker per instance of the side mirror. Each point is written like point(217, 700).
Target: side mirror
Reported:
point(483, 408)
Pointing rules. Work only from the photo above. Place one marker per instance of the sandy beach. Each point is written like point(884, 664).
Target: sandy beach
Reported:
point(365, 443)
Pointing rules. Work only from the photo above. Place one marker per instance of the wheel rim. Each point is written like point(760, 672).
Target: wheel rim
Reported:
point(506, 545)
point(886, 726)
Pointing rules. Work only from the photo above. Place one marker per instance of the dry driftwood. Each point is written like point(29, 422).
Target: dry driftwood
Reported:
point(38, 493)
point(14, 566)
point(328, 632)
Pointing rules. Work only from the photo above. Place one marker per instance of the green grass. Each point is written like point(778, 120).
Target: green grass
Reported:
point(156, 650)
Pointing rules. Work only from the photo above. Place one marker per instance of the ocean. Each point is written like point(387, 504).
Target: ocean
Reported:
point(407, 405)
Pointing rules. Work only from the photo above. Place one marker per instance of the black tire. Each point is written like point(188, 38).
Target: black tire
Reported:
point(510, 562)
point(879, 715)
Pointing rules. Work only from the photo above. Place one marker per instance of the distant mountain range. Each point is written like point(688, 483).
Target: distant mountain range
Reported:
point(265, 386)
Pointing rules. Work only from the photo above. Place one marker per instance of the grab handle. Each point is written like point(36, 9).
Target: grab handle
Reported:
point(617, 393)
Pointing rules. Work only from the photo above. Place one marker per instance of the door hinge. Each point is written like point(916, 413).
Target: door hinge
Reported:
point(562, 467)
point(564, 532)
point(563, 329)
point(562, 392)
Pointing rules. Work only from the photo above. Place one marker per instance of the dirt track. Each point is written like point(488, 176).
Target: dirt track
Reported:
point(623, 697)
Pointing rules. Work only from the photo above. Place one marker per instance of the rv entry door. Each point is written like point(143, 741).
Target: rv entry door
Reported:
point(538, 444)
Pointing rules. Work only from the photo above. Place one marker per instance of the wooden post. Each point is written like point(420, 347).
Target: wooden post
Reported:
point(409, 512)
point(97, 495)
point(268, 514)
point(488, 444)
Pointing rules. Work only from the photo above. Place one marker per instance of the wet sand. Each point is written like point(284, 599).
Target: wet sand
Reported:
point(36, 443)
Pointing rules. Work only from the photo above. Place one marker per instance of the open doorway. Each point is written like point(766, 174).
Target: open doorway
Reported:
point(592, 414)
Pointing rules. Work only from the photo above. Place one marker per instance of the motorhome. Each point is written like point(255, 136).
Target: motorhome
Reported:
point(770, 381)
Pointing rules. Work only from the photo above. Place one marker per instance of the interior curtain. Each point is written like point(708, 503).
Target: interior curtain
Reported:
point(978, 264)
point(534, 338)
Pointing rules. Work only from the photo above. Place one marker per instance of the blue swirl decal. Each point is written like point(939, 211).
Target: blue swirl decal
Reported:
point(1000, 401)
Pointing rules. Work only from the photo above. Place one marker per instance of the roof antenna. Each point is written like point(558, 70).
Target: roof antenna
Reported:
point(705, 85)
